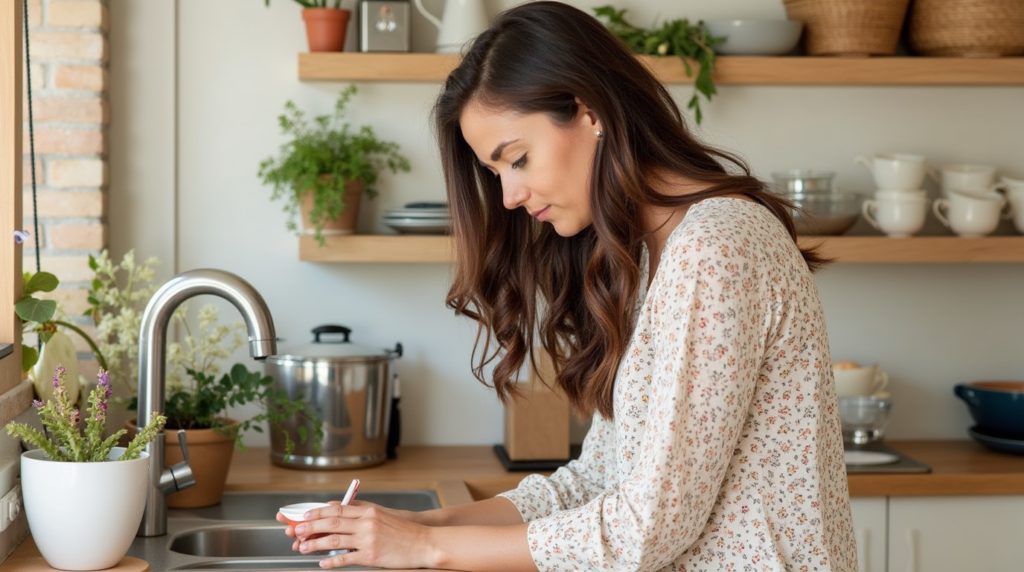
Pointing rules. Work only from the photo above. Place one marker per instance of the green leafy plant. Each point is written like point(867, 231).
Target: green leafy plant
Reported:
point(198, 395)
point(323, 157)
point(691, 42)
point(71, 442)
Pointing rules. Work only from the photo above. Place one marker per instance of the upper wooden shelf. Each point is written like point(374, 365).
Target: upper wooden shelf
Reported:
point(732, 70)
point(860, 249)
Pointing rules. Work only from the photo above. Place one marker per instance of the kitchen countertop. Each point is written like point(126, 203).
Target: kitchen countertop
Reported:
point(959, 467)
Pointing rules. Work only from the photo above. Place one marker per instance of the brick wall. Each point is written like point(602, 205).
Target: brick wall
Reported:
point(68, 53)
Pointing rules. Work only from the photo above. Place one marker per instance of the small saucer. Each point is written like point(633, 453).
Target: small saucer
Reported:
point(293, 513)
point(994, 442)
point(869, 458)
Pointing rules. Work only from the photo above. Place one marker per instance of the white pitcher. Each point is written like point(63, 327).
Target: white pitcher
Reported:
point(462, 20)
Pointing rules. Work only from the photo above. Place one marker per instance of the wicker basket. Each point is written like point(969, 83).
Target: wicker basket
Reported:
point(849, 27)
point(978, 28)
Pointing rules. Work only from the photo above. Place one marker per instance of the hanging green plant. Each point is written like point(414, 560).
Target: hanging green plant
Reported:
point(691, 42)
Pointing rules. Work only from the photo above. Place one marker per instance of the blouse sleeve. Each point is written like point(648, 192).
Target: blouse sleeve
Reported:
point(571, 485)
point(702, 343)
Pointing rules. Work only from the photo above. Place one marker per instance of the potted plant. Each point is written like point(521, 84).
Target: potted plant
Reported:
point(198, 395)
point(691, 42)
point(326, 24)
point(75, 479)
point(325, 166)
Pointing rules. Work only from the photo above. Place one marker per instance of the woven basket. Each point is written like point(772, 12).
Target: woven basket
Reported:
point(849, 27)
point(978, 28)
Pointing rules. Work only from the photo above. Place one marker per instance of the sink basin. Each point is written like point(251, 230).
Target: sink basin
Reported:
point(234, 541)
point(241, 533)
point(264, 505)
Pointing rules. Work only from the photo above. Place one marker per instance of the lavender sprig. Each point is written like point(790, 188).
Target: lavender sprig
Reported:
point(61, 420)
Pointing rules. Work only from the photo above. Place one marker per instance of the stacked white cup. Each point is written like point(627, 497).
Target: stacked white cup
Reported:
point(972, 204)
point(1014, 189)
point(900, 204)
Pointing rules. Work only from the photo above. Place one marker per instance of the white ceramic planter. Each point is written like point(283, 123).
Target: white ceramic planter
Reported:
point(83, 516)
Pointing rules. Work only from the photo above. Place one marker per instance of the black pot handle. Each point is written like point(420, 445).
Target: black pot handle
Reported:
point(330, 329)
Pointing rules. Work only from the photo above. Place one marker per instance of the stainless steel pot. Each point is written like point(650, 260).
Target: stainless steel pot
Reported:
point(349, 387)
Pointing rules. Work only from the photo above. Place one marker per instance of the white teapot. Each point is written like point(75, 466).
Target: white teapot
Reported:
point(462, 20)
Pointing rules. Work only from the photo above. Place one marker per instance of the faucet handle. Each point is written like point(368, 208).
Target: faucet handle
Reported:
point(183, 442)
point(182, 472)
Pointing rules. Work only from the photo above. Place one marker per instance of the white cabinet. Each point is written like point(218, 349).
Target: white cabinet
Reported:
point(869, 526)
point(956, 534)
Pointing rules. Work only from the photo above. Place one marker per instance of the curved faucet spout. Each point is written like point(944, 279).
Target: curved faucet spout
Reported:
point(153, 358)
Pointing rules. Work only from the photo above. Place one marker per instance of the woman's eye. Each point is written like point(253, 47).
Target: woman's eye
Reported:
point(520, 163)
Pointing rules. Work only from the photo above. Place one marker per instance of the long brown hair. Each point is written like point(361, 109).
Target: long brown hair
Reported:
point(516, 277)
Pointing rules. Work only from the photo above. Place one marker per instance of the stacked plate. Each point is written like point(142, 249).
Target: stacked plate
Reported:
point(419, 218)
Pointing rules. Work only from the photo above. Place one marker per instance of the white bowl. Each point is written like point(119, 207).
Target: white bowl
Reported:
point(295, 513)
point(755, 37)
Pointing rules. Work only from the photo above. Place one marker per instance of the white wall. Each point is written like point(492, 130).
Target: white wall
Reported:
point(197, 89)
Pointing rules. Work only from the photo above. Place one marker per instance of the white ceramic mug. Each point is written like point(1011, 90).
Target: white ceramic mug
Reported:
point(1014, 189)
point(862, 380)
point(971, 212)
point(896, 214)
point(963, 176)
point(895, 171)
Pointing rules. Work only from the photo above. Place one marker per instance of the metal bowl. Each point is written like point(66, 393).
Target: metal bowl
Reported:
point(825, 214)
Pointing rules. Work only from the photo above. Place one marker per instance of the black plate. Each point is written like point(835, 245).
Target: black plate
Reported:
point(1002, 444)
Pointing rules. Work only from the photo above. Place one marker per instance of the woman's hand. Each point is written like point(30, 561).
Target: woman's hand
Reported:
point(374, 536)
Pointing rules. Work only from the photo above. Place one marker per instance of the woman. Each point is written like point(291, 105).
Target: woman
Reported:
point(675, 301)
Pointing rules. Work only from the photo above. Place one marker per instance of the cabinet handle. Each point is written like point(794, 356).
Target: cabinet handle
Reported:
point(911, 538)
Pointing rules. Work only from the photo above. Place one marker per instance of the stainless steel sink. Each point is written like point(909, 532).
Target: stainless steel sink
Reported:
point(257, 541)
point(242, 534)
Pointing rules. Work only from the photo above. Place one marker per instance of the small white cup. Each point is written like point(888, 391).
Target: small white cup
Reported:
point(963, 176)
point(863, 380)
point(895, 171)
point(1014, 189)
point(972, 212)
point(896, 214)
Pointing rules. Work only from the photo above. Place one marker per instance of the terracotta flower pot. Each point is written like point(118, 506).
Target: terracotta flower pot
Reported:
point(209, 453)
point(344, 224)
point(326, 28)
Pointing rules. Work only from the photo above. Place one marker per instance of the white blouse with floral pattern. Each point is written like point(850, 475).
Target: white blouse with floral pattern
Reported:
point(725, 451)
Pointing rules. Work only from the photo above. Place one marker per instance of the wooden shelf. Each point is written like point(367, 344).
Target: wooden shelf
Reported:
point(847, 249)
point(732, 70)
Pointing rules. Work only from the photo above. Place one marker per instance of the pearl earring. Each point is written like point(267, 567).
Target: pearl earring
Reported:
point(599, 134)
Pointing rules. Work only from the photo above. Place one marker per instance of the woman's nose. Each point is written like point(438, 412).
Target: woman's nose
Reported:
point(513, 194)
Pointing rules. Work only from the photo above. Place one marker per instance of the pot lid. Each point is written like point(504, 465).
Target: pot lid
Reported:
point(332, 342)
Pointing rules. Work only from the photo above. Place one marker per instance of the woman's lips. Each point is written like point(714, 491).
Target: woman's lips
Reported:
point(541, 214)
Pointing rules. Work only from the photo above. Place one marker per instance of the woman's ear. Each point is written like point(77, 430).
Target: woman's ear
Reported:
point(590, 114)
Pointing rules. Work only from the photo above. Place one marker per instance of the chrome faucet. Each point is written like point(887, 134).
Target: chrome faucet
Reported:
point(152, 365)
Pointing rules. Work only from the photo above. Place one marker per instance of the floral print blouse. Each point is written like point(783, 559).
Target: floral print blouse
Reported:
point(725, 451)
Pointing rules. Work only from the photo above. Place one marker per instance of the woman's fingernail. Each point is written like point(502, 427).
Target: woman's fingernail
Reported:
point(300, 530)
point(325, 564)
point(304, 546)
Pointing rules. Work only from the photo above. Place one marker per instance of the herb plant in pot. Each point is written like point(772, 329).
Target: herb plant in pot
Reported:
point(198, 399)
point(325, 167)
point(198, 396)
point(326, 24)
point(84, 496)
